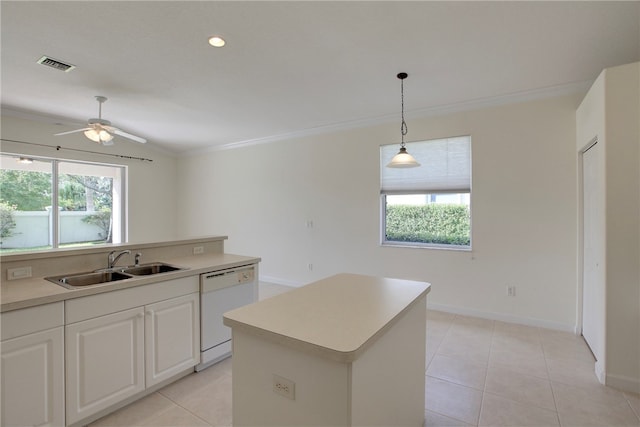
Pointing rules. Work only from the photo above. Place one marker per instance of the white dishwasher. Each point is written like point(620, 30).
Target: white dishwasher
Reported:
point(221, 291)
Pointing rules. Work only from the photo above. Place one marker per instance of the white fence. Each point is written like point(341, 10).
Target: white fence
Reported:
point(33, 229)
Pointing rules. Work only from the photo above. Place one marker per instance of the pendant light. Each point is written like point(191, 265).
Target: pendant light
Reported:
point(403, 159)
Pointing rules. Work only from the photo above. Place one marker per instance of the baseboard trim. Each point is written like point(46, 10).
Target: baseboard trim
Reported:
point(599, 371)
point(527, 321)
point(623, 383)
point(279, 281)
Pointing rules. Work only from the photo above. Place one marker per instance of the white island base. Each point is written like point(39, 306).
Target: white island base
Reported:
point(345, 351)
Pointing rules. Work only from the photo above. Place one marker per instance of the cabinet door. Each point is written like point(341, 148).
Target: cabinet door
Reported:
point(172, 337)
point(105, 362)
point(33, 379)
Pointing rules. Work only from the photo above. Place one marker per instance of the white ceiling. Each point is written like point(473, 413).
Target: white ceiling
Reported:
point(296, 67)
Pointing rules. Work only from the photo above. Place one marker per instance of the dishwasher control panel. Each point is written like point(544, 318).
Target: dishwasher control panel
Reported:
point(226, 278)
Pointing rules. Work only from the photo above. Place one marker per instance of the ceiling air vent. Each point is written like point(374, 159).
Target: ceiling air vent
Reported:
point(54, 63)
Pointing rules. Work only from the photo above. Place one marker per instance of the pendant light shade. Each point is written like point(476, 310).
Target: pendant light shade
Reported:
point(403, 159)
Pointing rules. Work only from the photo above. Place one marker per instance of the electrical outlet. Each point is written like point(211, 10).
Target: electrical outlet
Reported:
point(197, 250)
point(310, 267)
point(511, 291)
point(18, 273)
point(284, 387)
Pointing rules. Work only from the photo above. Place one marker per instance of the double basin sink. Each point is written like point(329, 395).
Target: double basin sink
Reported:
point(80, 280)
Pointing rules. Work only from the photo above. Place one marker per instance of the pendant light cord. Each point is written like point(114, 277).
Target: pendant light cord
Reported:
point(403, 125)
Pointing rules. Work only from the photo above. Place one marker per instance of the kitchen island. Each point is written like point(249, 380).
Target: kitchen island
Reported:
point(346, 350)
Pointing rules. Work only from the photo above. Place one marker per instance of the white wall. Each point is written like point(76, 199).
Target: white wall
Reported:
point(611, 111)
point(524, 227)
point(623, 225)
point(151, 186)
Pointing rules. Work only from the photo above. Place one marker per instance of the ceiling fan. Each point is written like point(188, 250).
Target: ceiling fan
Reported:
point(100, 130)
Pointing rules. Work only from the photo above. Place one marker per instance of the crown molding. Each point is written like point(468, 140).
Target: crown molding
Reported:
point(438, 110)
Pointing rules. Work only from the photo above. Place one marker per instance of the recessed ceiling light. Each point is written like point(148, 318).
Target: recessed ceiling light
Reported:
point(217, 41)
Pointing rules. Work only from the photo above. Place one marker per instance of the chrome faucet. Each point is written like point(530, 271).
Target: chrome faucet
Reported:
point(113, 258)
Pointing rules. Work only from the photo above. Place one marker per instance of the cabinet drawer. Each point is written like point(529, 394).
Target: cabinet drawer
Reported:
point(33, 319)
point(84, 308)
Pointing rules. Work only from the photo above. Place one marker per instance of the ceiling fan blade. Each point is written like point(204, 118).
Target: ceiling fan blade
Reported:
point(129, 136)
point(71, 131)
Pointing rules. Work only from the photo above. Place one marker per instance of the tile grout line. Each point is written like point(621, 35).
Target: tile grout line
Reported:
point(182, 407)
point(546, 367)
point(553, 392)
point(435, 354)
point(438, 346)
point(486, 375)
point(636, 412)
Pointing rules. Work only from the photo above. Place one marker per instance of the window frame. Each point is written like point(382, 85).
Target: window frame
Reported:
point(121, 204)
point(383, 202)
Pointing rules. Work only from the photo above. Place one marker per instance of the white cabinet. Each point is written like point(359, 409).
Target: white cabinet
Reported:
point(120, 343)
point(172, 333)
point(33, 367)
point(105, 362)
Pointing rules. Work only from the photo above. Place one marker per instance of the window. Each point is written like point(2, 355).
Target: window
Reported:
point(51, 203)
point(428, 206)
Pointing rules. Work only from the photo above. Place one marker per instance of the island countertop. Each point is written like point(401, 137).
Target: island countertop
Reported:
point(338, 317)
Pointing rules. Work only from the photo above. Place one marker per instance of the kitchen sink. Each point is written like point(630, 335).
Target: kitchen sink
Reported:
point(152, 268)
point(80, 280)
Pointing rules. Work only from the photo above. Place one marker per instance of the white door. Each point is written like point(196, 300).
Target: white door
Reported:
point(105, 362)
point(172, 337)
point(33, 379)
point(593, 262)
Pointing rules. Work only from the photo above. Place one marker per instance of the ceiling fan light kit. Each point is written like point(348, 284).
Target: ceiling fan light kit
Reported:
point(101, 131)
point(99, 135)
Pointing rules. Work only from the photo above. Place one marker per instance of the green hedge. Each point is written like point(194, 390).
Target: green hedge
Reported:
point(433, 223)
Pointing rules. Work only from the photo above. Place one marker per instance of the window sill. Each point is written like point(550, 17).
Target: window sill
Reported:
point(426, 246)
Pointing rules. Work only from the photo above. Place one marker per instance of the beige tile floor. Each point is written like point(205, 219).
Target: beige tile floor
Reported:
point(479, 373)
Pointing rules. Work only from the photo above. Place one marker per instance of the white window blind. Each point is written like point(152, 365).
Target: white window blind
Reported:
point(445, 167)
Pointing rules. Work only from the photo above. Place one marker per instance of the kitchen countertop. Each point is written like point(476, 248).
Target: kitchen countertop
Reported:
point(338, 317)
point(35, 291)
